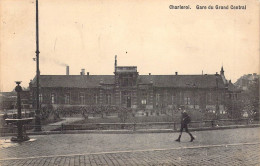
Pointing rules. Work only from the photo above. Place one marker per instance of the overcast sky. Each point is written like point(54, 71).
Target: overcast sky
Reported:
point(147, 34)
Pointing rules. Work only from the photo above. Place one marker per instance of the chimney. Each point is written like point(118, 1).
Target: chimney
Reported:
point(115, 62)
point(88, 73)
point(149, 74)
point(82, 72)
point(67, 70)
point(176, 73)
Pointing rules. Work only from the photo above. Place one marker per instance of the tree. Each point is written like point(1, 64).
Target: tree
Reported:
point(250, 99)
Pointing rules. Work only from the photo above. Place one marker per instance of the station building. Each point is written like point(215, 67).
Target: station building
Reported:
point(126, 88)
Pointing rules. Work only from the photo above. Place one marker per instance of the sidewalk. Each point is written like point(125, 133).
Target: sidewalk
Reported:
point(48, 129)
point(218, 147)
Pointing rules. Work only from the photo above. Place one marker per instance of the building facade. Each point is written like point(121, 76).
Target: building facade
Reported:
point(127, 88)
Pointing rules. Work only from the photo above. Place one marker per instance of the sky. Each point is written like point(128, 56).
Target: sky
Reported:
point(147, 34)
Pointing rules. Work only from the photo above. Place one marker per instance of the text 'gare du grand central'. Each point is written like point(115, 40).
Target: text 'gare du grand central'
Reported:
point(127, 88)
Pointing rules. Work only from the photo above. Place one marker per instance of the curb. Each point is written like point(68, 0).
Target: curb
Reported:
point(133, 132)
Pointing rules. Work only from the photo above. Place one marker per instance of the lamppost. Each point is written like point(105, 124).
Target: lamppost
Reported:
point(37, 112)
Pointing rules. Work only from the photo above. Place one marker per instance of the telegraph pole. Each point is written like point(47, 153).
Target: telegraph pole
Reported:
point(37, 112)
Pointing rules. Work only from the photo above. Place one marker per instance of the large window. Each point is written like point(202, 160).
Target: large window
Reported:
point(209, 97)
point(108, 99)
point(187, 100)
point(157, 98)
point(82, 98)
point(53, 98)
point(95, 99)
point(126, 81)
point(144, 98)
point(67, 98)
point(40, 98)
point(172, 99)
point(143, 101)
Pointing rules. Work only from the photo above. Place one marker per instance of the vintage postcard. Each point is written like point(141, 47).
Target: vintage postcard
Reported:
point(94, 82)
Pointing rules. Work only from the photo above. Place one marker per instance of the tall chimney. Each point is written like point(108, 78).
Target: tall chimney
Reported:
point(176, 73)
point(115, 62)
point(67, 70)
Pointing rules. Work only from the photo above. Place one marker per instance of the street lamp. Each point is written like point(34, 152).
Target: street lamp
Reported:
point(37, 112)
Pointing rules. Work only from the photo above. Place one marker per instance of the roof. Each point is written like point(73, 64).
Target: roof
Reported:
point(7, 94)
point(233, 88)
point(93, 81)
point(183, 81)
point(74, 81)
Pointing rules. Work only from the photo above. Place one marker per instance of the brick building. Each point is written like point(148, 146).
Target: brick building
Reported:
point(129, 89)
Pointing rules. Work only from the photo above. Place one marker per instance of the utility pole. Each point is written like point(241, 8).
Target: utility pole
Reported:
point(37, 112)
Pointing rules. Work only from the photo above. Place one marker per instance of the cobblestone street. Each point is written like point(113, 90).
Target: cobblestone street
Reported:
point(219, 147)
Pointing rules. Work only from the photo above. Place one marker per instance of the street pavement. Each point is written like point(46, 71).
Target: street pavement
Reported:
point(216, 147)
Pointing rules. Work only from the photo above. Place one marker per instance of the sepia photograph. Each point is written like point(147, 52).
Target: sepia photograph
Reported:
point(129, 83)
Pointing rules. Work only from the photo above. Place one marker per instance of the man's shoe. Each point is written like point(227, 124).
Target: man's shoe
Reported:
point(178, 140)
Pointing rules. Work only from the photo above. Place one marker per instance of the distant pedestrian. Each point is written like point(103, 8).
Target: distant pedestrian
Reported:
point(185, 120)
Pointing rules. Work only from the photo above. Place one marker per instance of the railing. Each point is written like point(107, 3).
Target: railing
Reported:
point(206, 124)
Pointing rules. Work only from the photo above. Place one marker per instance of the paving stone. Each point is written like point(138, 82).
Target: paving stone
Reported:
point(206, 151)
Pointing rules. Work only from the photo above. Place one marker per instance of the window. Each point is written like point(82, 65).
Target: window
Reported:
point(187, 100)
point(40, 98)
point(67, 98)
point(124, 96)
point(209, 97)
point(167, 97)
point(143, 101)
point(108, 99)
point(95, 99)
point(82, 98)
point(126, 80)
point(172, 99)
point(53, 100)
point(144, 97)
point(157, 98)
point(88, 99)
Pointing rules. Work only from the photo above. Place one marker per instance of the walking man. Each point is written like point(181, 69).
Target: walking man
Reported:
point(185, 120)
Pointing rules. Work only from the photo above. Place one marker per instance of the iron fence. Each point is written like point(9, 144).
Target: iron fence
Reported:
point(172, 126)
